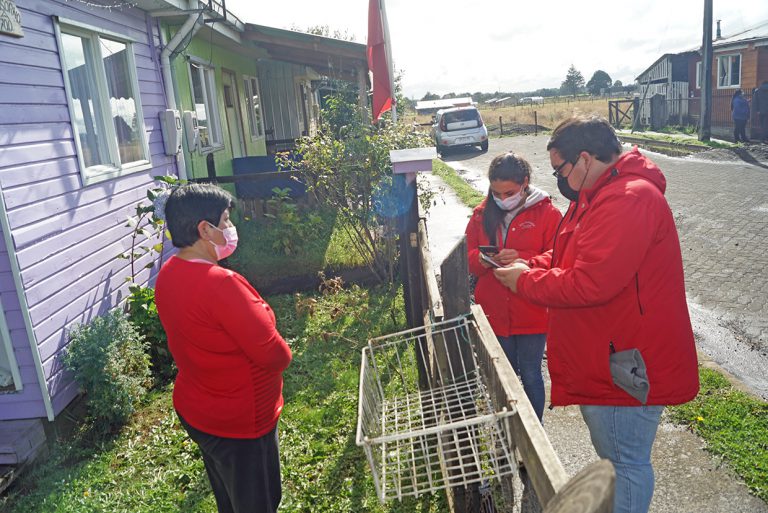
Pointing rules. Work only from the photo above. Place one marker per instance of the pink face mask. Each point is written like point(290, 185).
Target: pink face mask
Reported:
point(230, 235)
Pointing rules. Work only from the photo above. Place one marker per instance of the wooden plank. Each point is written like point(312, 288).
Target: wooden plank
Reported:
point(589, 491)
point(527, 434)
point(433, 300)
point(454, 274)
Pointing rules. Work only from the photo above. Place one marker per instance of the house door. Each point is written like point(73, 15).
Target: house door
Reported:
point(232, 113)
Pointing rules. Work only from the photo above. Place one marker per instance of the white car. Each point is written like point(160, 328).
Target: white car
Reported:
point(459, 126)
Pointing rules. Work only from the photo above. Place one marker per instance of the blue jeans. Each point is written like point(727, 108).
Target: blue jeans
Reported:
point(625, 435)
point(525, 352)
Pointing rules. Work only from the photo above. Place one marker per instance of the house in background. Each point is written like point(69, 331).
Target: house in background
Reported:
point(739, 61)
point(96, 101)
point(251, 88)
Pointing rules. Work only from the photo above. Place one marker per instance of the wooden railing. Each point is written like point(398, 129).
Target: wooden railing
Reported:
point(546, 486)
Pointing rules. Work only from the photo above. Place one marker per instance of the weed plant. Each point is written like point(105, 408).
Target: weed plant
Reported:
point(734, 426)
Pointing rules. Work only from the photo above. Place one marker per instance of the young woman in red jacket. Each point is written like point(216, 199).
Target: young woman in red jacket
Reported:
point(230, 356)
point(519, 221)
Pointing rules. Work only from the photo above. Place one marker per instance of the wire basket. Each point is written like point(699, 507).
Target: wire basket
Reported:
point(425, 419)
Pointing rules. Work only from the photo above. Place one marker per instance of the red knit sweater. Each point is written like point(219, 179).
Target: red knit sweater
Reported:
point(230, 356)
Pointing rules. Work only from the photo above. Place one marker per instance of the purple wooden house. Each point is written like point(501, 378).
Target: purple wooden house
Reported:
point(81, 90)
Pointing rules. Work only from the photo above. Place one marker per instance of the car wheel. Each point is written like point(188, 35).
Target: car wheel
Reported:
point(484, 145)
point(440, 149)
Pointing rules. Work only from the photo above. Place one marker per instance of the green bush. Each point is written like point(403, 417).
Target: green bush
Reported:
point(109, 359)
point(142, 313)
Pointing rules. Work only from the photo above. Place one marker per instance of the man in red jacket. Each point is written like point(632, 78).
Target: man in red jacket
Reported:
point(620, 339)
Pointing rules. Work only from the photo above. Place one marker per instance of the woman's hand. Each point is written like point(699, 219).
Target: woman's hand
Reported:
point(484, 263)
point(506, 256)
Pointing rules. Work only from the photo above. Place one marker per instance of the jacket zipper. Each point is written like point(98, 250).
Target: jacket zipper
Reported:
point(637, 289)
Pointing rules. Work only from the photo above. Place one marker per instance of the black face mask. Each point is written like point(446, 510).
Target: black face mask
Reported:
point(565, 189)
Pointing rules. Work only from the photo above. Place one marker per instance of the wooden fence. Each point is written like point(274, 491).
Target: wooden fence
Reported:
point(546, 486)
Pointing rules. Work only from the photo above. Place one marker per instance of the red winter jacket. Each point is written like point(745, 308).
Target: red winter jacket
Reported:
point(616, 277)
point(230, 356)
point(531, 232)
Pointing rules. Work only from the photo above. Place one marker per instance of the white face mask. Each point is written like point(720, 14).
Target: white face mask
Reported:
point(510, 202)
point(230, 236)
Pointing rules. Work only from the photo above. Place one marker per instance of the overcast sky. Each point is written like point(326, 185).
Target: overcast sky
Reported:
point(514, 46)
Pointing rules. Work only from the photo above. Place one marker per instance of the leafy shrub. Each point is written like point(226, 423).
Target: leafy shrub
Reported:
point(291, 229)
point(142, 313)
point(109, 359)
point(347, 168)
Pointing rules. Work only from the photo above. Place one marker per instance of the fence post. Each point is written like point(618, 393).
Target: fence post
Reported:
point(535, 123)
point(501, 126)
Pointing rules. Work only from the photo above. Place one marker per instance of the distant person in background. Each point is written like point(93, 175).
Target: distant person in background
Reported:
point(760, 106)
point(740, 114)
point(222, 335)
point(520, 221)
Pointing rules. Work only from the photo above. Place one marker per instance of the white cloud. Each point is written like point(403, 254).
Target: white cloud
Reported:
point(456, 46)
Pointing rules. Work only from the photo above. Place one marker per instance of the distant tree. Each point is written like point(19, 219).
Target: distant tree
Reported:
point(618, 83)
point(325, 31)
point(574, 81)
point(448, 96)
point(430, 96)
point(600, 80)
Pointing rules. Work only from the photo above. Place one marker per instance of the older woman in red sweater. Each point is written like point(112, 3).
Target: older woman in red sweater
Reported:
point(230, 356)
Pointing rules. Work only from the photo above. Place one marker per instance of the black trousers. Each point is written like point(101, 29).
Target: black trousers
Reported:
point(244, 473)
point(740, 130)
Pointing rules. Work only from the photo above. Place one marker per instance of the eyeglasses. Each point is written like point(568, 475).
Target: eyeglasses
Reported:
point(557, 169)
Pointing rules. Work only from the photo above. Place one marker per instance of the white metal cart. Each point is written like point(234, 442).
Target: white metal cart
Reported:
point(425, 418)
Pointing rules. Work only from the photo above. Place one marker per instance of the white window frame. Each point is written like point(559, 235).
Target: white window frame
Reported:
point(256, 130)
point(210, 102)
point(699, 67)
point(728, 77)
point(115, 168)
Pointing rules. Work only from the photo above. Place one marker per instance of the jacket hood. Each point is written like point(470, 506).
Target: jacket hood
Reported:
point(633, 164)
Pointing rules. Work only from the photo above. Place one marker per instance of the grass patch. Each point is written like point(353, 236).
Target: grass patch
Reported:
point(320, 243)
point(466, 193)
point(153, 467)
point(677, 135)
point(734, 426)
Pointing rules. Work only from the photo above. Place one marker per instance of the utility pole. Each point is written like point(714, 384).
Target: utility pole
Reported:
point(706, 71)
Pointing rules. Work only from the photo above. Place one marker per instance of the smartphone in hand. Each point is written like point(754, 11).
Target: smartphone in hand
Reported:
point(490, 260)
point(488, 250)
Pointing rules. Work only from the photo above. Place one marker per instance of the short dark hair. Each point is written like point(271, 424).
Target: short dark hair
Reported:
point(592, 134)
point(188, 205)
point(509, 167)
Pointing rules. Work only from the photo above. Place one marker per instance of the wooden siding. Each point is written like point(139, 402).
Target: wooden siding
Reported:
point(280, 101)
point(65, 235)
point(660, 72)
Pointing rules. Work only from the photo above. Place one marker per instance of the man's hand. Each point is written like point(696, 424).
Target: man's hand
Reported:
point(506, 256)
point(509, 275)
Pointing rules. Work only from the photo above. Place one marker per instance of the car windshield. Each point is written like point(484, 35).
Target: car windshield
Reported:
point(461, 115)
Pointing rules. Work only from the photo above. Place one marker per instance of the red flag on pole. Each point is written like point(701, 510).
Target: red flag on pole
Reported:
point(378, 62)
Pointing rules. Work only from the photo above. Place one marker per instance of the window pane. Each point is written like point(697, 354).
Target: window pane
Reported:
point(210, 105)
point(122, 100)
point(735, 69)
point(256, 105)
point(198, 94)
point(78, 60)
point(722, 75)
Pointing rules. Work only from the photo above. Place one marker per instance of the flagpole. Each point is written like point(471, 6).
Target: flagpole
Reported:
point(388, 50)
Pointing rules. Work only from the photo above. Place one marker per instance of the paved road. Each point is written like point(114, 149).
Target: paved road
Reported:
point(721, 210)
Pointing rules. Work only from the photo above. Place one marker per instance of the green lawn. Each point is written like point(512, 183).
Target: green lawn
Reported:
point(152, 467)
